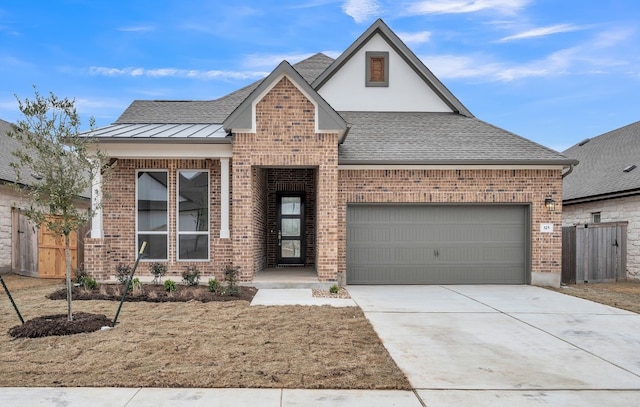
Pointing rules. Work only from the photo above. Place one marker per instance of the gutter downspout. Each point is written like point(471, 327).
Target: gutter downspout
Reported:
point(568, 172)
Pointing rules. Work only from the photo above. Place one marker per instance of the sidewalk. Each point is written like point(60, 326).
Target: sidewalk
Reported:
point(155, 397)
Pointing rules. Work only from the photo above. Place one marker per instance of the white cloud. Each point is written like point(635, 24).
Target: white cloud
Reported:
point(137, 28)
point(601, 55)
point(467, 6)
point(175, 73)
point(415, 38)
point(271, 61)
point(543, 31)
point(361, 10)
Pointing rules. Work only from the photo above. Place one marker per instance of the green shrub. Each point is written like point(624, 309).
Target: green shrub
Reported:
point(169, 285)
point(89, 283)
point(231, 278)
point(334, 289)
point(122, 272)
point(81, 274)
point(215, 286)
point(191, 275)
point(158, 270)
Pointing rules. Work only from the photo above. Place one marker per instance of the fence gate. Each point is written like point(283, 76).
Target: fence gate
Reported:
point(599, 252)
point(24, 237)
point(40, 252)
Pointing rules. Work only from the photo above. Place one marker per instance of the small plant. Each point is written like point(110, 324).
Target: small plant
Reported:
point(81, 274)
point(191, 275)
point(89, 283)
point(231, 278)
point(136, 286)
point(334, 289)
point(170, 285)
point(158, 270)
point(122, 273)
point(215, 286)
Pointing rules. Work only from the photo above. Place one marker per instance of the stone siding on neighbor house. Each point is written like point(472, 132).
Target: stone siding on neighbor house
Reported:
point(285, 137)
point(625, 209)
point(102, 255)
point(465, 186)
point(8, 199)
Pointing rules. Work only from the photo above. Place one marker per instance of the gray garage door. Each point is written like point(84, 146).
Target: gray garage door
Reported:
point(444, 244)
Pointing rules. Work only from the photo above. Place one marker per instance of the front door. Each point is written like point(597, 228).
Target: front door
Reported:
point(291, 229)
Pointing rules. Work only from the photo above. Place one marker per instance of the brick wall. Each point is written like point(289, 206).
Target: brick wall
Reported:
point(119, 220)
point(285, 137)
point(625, 209)
point(465, 186)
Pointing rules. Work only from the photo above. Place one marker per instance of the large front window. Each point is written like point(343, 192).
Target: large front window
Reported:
point(152, 213)
point(193, 215)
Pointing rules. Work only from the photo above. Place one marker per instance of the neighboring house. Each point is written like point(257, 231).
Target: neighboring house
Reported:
point(25, 249)
point(365, 168)
point(605, 187)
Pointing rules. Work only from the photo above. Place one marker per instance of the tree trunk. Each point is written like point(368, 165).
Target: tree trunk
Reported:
point(67, 255)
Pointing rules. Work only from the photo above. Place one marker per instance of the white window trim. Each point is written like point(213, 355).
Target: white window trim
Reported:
point(203, 233)
point(138, 232)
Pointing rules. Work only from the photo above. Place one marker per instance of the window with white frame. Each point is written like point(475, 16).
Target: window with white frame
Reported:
point(595, 217)
point(152, 210)
point(193, 215)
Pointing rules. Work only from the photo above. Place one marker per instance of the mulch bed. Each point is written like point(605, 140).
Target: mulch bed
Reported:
point(154, 293)
point(56, 325)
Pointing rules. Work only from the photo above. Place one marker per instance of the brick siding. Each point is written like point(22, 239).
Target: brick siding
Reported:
point(118, 245)
point(462, 186)
point(285, 137)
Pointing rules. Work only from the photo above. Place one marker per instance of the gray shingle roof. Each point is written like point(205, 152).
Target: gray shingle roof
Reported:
point(602, 161)
point(209, 111)
point(7, 146)
point(436, 138)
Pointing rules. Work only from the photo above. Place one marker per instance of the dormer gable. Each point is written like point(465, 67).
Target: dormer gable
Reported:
point(243, 118)
point(378, 72)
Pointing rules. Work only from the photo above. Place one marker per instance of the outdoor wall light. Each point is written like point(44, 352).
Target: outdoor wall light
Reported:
point(550, 204)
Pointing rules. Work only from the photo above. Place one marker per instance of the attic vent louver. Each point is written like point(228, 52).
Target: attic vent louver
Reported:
point(629, 168)
point(583, 142)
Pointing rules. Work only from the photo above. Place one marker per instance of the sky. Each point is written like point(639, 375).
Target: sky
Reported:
point(555, 72)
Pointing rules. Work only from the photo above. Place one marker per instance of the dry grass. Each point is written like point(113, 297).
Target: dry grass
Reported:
point(623, 294)
point(193, 344)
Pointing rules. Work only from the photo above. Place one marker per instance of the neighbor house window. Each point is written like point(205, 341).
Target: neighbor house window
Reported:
point(193, 215)
point(595, 217)
point(152, 213)
point(377, 66)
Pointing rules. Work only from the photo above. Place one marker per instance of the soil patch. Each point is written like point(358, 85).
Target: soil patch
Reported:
point(153, 293)
point(623, 294)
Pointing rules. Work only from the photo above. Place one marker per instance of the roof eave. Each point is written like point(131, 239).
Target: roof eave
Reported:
point(562, 163)
point(601, 197)
point(165, 140)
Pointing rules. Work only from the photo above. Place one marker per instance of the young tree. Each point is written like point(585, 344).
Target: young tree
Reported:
point(62, 164)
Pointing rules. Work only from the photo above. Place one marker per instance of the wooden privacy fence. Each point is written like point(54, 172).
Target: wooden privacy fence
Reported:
point(39, 252)
point(594, 252)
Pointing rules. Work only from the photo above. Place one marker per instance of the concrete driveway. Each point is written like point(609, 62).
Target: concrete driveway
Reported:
point(506, 345)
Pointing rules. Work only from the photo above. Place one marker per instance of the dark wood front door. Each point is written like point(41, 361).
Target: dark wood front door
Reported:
point(291, 229)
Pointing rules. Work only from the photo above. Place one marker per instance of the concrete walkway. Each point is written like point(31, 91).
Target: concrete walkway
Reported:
point(458, 345)
point(506, 345)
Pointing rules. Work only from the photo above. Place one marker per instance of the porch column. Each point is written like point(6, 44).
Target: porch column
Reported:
point(96, 198)
point(224, 198)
